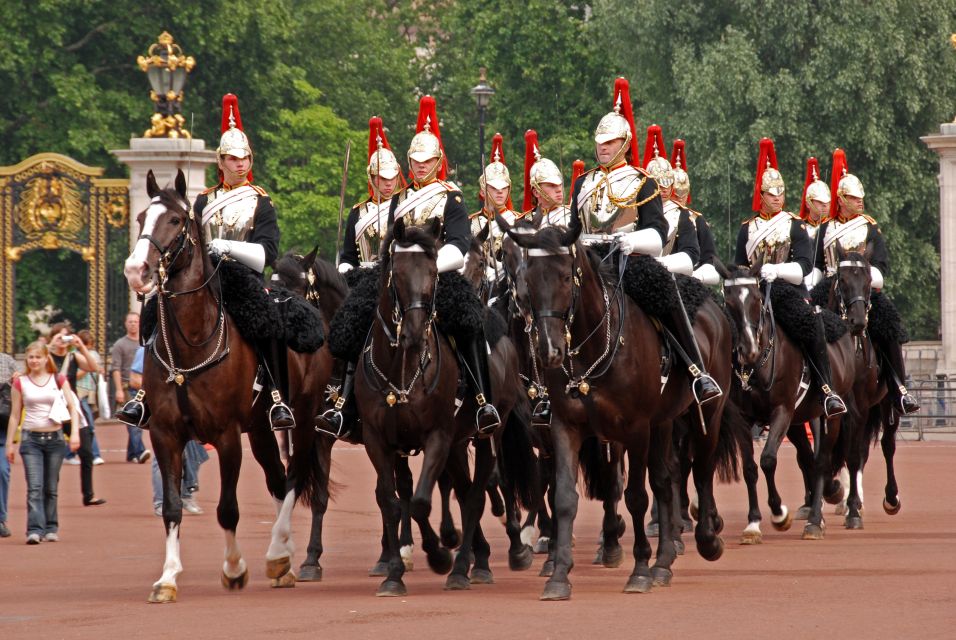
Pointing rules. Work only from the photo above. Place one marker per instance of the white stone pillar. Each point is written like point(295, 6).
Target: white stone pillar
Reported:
point(944, 143)
point(162, 156)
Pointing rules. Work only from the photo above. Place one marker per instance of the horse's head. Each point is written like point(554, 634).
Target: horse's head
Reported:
point(410, 270)
point(548, 259)
point(745, 303)
point(852, 284)
point(477, 260)
point(294, 272)
point(164, 235)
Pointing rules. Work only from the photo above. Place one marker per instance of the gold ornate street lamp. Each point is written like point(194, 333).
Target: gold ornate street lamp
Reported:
point(166, 67)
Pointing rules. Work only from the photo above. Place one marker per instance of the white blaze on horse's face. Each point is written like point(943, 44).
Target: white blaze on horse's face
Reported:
point(136, 268)
point(750, 339)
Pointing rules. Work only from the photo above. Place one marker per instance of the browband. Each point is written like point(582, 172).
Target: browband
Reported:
point(852, 263)
point(740, 282)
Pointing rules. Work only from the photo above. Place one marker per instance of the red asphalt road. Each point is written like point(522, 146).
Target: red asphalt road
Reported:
point(894, 579)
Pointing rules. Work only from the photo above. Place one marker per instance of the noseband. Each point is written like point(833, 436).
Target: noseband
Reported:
point(864, 299)
point(169, 254)
point(766, 311)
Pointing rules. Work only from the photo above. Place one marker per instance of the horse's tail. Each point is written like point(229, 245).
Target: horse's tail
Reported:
point(734, 438)
point(517, 464)
point(600, 474)
point(310, 467)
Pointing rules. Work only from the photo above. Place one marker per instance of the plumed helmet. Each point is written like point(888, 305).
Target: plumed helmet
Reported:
point(426, 144)
point(381, 159)
point(537, 169)
point(842, 182)
point(496, 174)
point(813, 188)
point(681, 177)
point(619, 123)
point(768, 179)
point(655, 164)
point(234, 141)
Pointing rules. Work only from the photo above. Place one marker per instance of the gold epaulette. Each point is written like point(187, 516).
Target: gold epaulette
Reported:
point(869, 219)
point(795, 216)
point(451, 186)
point(642, 170)
point(749, 220)
point(206, 192)
point(693, 212)
point(259, 190)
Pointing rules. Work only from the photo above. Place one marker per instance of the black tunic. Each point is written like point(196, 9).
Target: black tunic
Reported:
point(705, 239)
point(350, 253)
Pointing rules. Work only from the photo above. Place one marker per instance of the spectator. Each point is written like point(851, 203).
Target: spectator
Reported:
point(70, 355)
point(41, 445)
point(121, 359)
point(87, 383)
point(7, 367)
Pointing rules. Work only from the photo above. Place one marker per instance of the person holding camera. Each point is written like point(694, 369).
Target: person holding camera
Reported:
point(70, 355)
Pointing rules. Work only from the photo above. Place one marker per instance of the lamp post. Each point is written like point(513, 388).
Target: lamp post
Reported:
point(482, 93)
point(166, 67)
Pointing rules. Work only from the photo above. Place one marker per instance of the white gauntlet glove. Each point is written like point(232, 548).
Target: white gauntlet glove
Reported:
point(707, 274)
point(787, 271)
point(450, 258)
point(251, 254)
point(876, 278)
point(813, 278)
point(677, 263)
point(345, 267)
point(646, 241)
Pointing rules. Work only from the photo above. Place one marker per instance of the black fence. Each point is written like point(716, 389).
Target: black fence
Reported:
point(937, 398)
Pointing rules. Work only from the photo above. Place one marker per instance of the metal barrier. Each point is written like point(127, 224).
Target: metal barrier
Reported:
point(937, 398)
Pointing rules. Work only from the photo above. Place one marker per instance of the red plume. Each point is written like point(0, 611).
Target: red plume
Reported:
point(623, 89)
point(679, 157)
point(497, 145)
point(767, 155)
point(376, 129)
point(428, 113)
point(530, 146)
point(577, 170)
point(654, 136)
point(813, 172)
point(839, 168)
point(230, 106)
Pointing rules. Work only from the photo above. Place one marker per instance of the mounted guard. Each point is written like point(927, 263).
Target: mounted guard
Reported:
point(622, 203)
point(680, 193)
point(777, 240)
point(814, 209)
point(850, 229)
point(543, 187)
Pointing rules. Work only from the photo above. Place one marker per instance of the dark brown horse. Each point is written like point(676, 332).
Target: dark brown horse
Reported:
point(601, 356)
point(198, 377)
point(770, 366)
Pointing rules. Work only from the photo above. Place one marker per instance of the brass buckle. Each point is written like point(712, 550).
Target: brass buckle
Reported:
point(694, 370)
point(480, 398)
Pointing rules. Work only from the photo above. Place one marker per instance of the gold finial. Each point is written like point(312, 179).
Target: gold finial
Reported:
point(166, 67)
point(617, 103)
point(537, 154)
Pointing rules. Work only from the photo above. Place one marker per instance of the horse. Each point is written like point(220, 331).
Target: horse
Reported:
point(198, 378)
point(617, 397)
point(406, 387)
point(770, 368)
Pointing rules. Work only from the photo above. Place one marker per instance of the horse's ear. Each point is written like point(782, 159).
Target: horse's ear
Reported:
point(152, 189)
point(503, 224)
point(483, 234)
point(434, 227)
point(181, 183)
point(571, 235)
point(309, 259)
point(398, 230)
point(755, 269)
point(721, 268)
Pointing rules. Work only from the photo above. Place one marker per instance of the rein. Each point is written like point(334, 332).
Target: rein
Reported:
point(768, 352)
point(845, 306)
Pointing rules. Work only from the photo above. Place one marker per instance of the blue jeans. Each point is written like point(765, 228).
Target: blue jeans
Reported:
point(193, 455)
point(134, 445)
point(42, 455)
point(4, 471)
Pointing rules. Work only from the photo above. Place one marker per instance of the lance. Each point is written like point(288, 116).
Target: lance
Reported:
point(345, 179)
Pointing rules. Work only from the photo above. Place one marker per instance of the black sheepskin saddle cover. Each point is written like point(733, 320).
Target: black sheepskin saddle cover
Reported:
point(796, 317)
point(459, 312)
point(885, 325)
point(259, 314)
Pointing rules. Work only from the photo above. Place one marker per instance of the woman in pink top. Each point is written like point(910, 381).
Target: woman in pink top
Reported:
point(41, 443)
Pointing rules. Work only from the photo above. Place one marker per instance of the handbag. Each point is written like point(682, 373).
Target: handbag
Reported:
point(59, 411)
point(103, 397)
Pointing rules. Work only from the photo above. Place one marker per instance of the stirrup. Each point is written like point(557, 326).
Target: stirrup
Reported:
point(333, 420)
point(278, 421)
point(908, 404)
point(541, 414)
point(833, 405)
point(487, 419)
point(133, 412)
point(704, 387)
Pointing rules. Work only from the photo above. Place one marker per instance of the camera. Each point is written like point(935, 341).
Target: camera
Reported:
point(67, 339)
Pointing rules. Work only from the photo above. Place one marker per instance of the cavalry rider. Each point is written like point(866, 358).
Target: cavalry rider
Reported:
point(494, 193)
point(240, 222)
point(814, 209)
point(368, 220)
point(681, 250)
point(619, 198)
point(853, 230)
point(777, 240)
point(543, 187)
point(704, 269)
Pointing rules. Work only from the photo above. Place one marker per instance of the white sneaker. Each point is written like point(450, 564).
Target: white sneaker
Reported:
point(144, 456)
point(75, 460)
point(51, 537)
point(33, 538)
point(191, 506)
point(98, 460)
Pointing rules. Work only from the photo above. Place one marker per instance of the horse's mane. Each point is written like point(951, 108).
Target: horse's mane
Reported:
point(327, 275)
point(171, 199)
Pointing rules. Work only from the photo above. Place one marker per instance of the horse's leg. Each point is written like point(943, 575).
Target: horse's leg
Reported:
point(660, 464)
point(567, 445)
point(405, 485)
point(547, 524)
point(686, 464)
point(612, 526)
point(471, 497)
point(450, 535)
point(498, 508)
point(823, 465)
point(797, 434)
point(751, 533)
point(311, 569)
point(857, 451)
point(437, 446)
point(169, 457)
point(389, 505)
point(780, 516)
point(235, 573)
point(520, 553)
point(282, 487)
point(709, 524)
point(891, 422)
point(636, 499)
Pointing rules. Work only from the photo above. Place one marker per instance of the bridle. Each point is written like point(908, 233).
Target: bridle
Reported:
point(744, 374)
point(845, 305)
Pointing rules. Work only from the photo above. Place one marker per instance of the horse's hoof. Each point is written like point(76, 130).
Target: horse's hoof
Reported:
point(440, 561)
point(661, 576)
point(287, 581)
point(482, 576)
point(751, 536)
point(803, 513)
point(162, 594)
point(451, 539)
point(406, 553)
point(521, 560)
point(457, 582)
point(890, 509)
point(812, 532)
point(310, 573)
point(718, 524)
point(391, 589)
point(687, 526)
point(599, 554)
point(853, 522)
point(840, 508)
point(379, 570)
point(278, 567)
point(612, 558)
point(837, 494)
point(711, 551)
point(546, 569)
point(541, 546)
point(556, 591)
point(234, 584)
point(639, 584)
point(783, 521)
point(693, 510)
point(679, 546)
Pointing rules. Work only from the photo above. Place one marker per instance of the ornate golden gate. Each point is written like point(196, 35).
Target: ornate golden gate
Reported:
point(52, 202)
